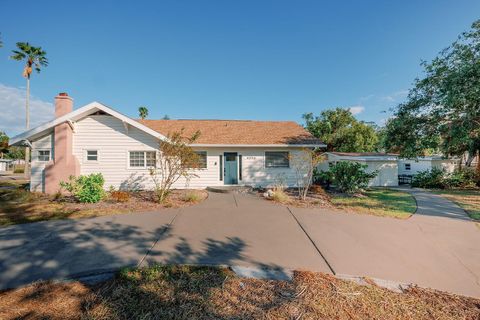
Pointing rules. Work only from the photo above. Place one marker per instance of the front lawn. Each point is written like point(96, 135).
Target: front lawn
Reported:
point(469, 200)
point(378, 202)
point(20, 206)
point(181, 292)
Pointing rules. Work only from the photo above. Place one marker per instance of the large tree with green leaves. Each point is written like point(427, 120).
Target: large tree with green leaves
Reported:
point(340, 131)
point(34, 58)
point(442, 112)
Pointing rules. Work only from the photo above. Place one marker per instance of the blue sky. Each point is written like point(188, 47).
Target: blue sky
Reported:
point(270, 60)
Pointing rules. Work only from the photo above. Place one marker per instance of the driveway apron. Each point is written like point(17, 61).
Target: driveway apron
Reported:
point(437, 247)
point(238, 229)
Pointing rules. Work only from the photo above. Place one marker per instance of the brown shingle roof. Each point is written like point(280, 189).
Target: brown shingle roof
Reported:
point(242, 132)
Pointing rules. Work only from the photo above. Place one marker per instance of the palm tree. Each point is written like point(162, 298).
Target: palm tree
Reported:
point(34, 58)
point(143, 112)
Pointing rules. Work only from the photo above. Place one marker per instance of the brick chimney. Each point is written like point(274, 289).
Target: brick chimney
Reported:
point(63, 104)
point(64, 163)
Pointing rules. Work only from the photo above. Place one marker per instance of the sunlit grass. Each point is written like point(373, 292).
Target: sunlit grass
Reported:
point(379, 202)
point(469, 200)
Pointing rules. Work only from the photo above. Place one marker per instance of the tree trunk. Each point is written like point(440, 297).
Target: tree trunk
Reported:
point(470, 158)
point(478, 162)
point(27, 149)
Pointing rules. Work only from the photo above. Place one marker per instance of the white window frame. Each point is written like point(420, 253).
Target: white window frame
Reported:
point(49, 155)
point(86, 155)
point(409, 166)
point(144, 159)
point(276, 167)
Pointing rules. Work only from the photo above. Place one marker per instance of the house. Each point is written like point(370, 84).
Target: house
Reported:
point(5, 165)
point(96, 138)
point(384, 163)
point(411, 167)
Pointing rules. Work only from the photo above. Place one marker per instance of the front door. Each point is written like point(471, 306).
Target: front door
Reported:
point(230, 168)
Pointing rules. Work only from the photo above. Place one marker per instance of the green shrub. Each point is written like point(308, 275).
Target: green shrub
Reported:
point(86, 189)
point(439, 179)
point(349, 177)
point(433, 178)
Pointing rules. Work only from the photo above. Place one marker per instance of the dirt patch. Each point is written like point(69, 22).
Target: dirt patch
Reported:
point(181, 292)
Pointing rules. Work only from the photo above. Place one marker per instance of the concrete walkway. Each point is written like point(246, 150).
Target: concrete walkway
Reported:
point(432, 249)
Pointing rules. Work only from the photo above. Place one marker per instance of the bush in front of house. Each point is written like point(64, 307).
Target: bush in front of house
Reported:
point(348, 177)
point(429, 179)
point(439, 179)
point(85, 188)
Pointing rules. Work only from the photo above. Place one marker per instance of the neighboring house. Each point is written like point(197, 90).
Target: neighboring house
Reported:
point(413, 166)
point(384, 163)
point(5, 165)
point(96, 138)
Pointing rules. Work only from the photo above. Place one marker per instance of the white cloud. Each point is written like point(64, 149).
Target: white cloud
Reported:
point(396, 96)
point(12, 110)
point(356, 109)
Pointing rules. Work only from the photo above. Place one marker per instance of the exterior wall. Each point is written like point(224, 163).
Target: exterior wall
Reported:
point(387, 170)
point(37, 179)
point(3, 166)
point(114, 140)
point(415, 166)
point(447, 165)
point(387, 173)
point(425, 164)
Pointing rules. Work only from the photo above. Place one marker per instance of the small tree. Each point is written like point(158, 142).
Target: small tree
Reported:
point(177, 159)
point(304, 164)
point(350, 177)
point(143, 112)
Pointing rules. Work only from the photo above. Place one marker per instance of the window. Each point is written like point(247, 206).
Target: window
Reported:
point(43, 155)
point(331, 164)
point(408, 166)
point(151, 158)
point(92, 155)
point(277, 159)
point(142, 159)
point(202, 158)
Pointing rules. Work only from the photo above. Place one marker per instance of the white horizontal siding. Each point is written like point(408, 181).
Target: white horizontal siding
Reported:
point(109, 136)
point(37, 183)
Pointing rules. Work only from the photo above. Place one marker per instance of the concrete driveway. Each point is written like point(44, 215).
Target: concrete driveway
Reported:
point(438, 251)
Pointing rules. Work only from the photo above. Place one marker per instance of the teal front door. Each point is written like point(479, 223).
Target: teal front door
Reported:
point(230, 168)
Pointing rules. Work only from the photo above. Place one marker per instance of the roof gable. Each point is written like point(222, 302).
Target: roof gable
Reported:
point(78, 114)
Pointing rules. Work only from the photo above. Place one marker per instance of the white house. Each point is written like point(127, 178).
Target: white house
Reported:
point(5, 165)
point(384, 163)
point(413, 166)
point(96, 138)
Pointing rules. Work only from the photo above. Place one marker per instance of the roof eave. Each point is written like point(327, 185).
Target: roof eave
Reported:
point(259, 145)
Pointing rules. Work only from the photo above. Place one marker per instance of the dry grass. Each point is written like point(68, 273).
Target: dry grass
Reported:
point(378, 202)
point(211, 293)
point(316, 197)
point(20, 206)
point(469, 200)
